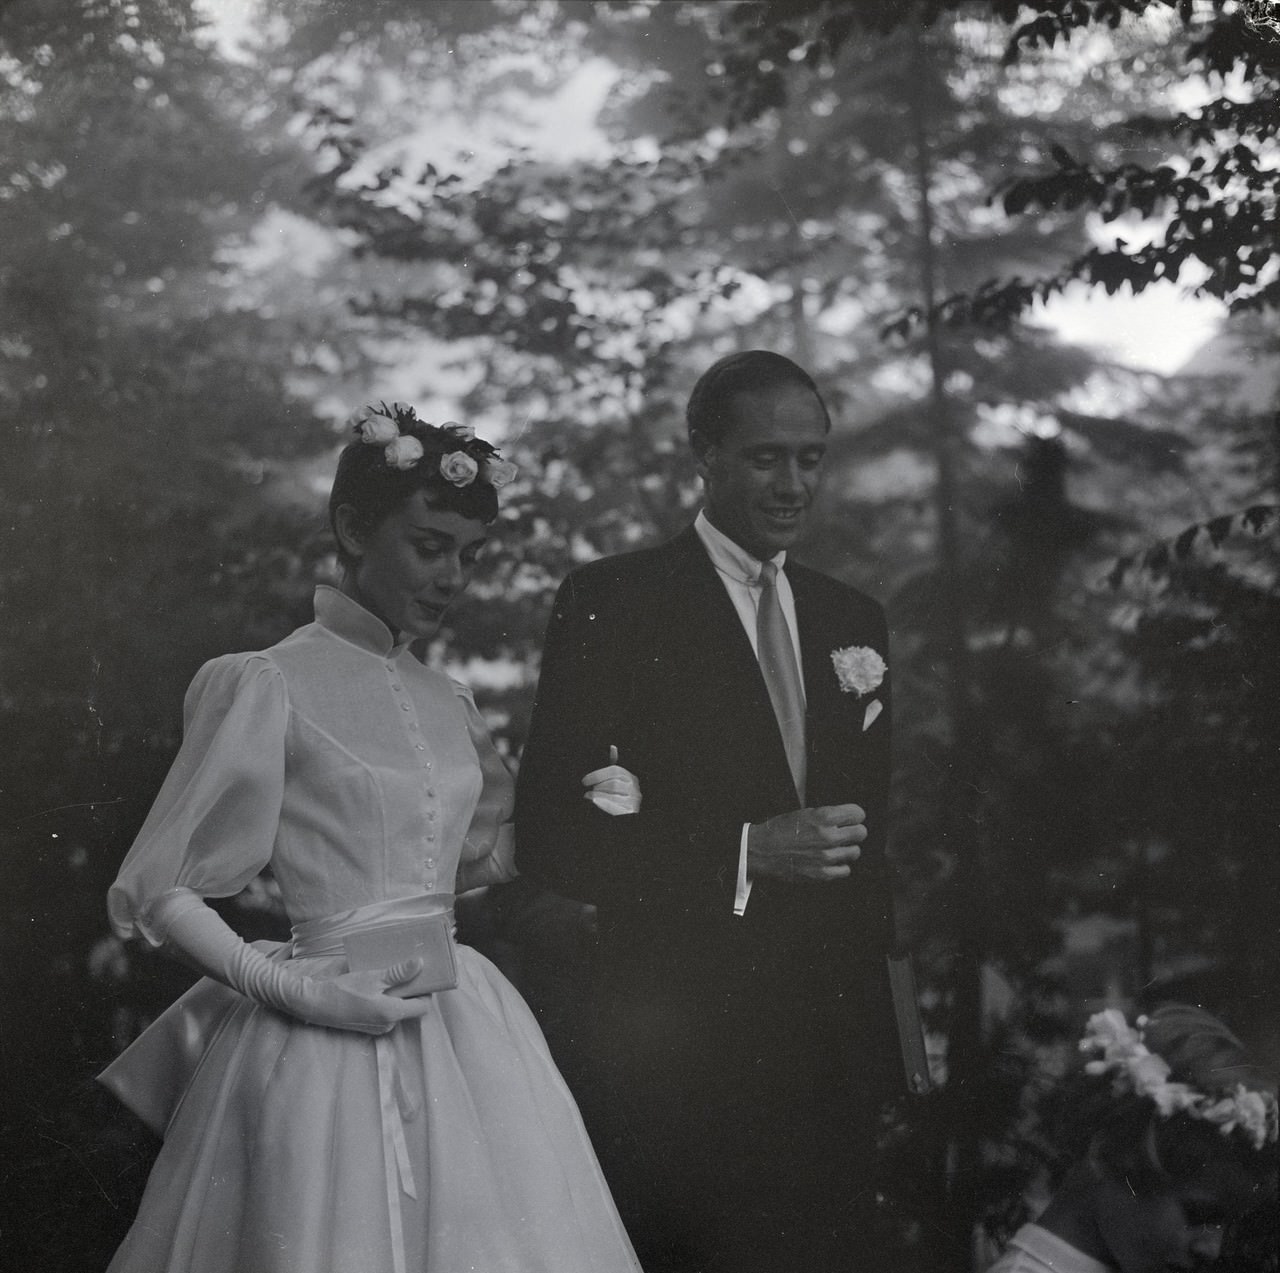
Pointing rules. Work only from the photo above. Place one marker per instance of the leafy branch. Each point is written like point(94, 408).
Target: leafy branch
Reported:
point(1162, 557)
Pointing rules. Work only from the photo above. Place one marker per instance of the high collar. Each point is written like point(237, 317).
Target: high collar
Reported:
point(349, 620)
point(728, 557)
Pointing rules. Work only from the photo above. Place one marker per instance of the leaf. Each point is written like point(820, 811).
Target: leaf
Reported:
point(1115, 576)
point(1017, 197)
point(1260, 517)
point(1063, 158)
point(1219, 529)
point(1183, 544)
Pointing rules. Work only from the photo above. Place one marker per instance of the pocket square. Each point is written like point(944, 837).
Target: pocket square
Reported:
point(874, 708)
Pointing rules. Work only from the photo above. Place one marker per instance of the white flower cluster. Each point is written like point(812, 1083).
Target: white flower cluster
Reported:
point(859, 669)
point(381, 427)
point(1135, 1068)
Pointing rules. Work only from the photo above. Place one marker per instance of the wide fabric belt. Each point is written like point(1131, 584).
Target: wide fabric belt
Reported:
point(325, 936)
point(316, 937)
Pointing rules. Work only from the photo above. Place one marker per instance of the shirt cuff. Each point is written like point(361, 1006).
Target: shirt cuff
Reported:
point(743, 891)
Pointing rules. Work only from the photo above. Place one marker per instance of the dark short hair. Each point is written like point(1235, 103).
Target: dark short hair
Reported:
point(375, 489)
point(710, 410)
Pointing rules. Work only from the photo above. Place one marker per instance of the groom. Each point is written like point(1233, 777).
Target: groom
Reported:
point(741, 1032)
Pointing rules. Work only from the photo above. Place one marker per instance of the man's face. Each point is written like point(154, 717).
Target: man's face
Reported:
point(761, 477)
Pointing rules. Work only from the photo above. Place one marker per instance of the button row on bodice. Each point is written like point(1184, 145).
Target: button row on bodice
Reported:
point(417, 741)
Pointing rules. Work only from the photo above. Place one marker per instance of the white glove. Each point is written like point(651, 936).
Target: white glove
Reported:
point(614, 789)
point(352, 1001)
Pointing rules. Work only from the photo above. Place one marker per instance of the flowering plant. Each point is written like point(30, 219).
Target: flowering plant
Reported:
point(461, 457)
point(1120, 1052)
point(859, 669)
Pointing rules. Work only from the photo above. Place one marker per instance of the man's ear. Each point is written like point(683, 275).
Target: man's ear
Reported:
point(703, 452)
point(349, 530)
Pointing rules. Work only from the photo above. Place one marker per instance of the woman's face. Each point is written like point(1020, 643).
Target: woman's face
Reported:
point(412, 565)
point(1179, 1228)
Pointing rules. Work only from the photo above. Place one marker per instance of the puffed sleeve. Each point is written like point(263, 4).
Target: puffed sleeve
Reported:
point(488, 852)
point(213, 825)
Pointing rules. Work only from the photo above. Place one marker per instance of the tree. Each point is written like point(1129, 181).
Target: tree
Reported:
point(145, 413)
point(1210, 199)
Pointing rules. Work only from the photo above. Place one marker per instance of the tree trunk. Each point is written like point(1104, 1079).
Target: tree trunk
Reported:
point(959, 817)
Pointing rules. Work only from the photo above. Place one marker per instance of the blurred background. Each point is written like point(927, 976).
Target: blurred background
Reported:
point(1028, 250)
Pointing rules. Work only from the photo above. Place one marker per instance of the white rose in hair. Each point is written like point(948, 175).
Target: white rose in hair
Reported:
point(499, 472)
point(459, 468)
point(859, 669)
point(378, 430)
point(463, 431)
point(403, 452)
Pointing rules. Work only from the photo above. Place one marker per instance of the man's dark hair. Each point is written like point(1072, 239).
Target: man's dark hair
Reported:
point(710, 410)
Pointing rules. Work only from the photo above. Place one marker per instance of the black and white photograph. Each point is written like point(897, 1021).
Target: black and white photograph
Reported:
point(640, 636)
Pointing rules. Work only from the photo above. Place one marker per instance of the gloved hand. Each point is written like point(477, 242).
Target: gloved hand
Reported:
point(614, 789)
point(353, 1001)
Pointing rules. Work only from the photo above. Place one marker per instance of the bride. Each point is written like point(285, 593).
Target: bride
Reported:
point(370, 1095)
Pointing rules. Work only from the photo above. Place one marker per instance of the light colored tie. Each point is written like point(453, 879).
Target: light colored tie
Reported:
point(777, 657)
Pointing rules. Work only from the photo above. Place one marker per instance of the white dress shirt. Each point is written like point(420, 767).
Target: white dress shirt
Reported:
point(739, 571)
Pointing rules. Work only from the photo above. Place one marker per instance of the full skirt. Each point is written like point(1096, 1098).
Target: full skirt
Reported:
point(450, 1145)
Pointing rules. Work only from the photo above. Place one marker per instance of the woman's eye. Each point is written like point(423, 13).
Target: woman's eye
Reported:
point(1202, 1214)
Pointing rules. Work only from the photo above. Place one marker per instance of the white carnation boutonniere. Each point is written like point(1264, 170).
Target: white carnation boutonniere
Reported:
point(859, 671)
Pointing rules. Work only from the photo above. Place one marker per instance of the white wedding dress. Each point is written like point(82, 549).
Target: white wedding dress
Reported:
point(447, 1146)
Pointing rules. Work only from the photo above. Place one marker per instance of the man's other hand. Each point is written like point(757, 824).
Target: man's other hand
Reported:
point(810, 844)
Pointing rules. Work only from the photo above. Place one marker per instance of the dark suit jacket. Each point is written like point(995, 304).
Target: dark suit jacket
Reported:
point(646, 652)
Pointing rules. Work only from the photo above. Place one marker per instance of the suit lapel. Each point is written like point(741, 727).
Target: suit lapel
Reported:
point(727, 680)
point(815, 652)
point(832, 718)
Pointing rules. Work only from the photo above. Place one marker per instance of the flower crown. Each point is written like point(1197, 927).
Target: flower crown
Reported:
point(462, 457)
point(1135, 1068)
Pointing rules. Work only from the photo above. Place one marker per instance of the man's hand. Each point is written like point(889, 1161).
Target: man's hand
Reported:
point(809, 844)
point(614, 789)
